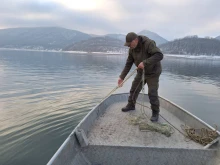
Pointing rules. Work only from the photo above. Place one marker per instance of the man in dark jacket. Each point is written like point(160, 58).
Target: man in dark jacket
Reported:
point(145, 55)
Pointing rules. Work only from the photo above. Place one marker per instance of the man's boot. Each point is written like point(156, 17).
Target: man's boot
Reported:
point(155, 116)
point(128, 107)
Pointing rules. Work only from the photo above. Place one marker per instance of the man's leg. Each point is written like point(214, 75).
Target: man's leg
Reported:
point(153, 85)
point(134, 92)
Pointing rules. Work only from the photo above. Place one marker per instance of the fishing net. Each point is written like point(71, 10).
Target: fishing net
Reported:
point(145, 125)
point(157, 127)
point(202, 136)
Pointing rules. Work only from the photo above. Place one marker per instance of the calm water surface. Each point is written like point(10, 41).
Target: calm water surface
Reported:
point(43, 96)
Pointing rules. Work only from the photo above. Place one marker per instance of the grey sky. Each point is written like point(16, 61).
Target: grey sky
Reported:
point(171, 19)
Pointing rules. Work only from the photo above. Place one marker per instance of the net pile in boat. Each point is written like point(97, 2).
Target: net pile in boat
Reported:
point(203, 136)
point(145, 125)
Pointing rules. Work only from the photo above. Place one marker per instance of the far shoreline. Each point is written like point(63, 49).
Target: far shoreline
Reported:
point(186, 56)
point(61, 51)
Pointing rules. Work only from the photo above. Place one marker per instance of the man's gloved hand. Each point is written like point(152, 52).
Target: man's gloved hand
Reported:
point(141, 65)
point(119, 82)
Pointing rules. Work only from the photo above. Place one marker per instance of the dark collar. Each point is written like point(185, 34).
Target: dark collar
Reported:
point(138, 47)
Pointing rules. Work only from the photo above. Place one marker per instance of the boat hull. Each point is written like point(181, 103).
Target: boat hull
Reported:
point(85, 146)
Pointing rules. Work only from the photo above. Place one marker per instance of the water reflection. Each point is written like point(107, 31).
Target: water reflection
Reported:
point(198, 69)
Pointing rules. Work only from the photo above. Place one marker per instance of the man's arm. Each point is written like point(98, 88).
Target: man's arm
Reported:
point(155, 54)
point(128, 65)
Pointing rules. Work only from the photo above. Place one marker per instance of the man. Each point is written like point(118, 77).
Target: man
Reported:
point(144, 53)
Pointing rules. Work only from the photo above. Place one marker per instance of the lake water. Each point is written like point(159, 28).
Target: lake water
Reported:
point(43, 96)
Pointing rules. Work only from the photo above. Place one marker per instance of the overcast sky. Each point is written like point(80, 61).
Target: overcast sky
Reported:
point(169, 18)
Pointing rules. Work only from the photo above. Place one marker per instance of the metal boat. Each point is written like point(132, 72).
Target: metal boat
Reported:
point(105, 137)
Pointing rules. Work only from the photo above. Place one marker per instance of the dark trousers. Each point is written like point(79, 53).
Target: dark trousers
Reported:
point(153, 85)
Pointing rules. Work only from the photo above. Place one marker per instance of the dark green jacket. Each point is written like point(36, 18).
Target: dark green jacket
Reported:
point(147, 52)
